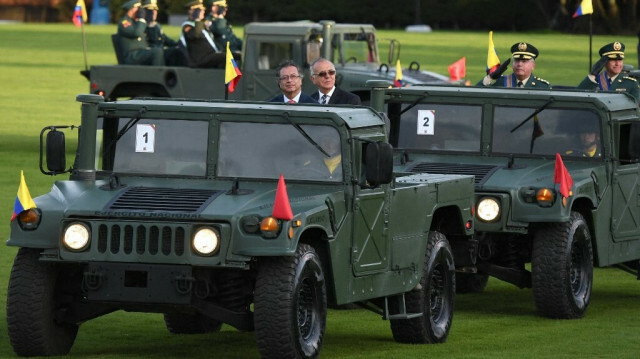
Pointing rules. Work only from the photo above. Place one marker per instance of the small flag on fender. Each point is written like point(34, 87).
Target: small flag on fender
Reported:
point(281, 206)
point(563, 178)
point(23, 199)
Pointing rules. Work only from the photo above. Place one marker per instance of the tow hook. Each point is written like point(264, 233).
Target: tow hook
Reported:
point(184, 284)
point(93, 280)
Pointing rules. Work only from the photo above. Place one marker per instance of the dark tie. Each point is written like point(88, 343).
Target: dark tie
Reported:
point(519, 84)
point(324, 99)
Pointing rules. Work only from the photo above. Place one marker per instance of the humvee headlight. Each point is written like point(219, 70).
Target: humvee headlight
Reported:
point(545, 197)
point(205, 241)
point(270, 227)
point(488, 209)
point(76, 237)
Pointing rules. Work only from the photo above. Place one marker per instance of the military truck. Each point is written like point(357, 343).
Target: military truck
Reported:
point(352, 47)
point(256, 215)
point(528, 232)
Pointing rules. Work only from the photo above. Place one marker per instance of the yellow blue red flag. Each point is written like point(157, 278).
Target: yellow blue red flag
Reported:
point(493, 62)
point(23, 200)
point(80, 13)
point(232, 73)
point(585, 8)
point(398, 82)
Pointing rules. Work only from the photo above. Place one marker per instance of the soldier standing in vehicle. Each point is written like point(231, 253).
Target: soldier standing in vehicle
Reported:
point(198, 40)
point(524, 61)
point(132, 39)
point(323, 75)
point(612, 56)
point(221, 29)
point(156, 36)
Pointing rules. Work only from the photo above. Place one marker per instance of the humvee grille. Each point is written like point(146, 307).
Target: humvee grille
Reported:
point(163, 199)
point(143, 238)
point(481, 172)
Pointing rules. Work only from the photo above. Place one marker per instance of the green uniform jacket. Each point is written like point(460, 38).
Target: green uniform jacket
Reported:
point(134, 46)
point(619, 84)
point(511, 81)
point(157, 38)
point(222, 33)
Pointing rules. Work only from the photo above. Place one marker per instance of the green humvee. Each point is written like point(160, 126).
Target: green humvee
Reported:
point(170, 208)
point(508, 139)
point(352, 47)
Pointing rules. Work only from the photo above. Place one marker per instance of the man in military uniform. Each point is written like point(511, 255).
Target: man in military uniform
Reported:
point(156, 36)
point(589, 136)
point(221, 29)
point(132, 39)
point(524, 61)
point(610, 79)
point(198, 40)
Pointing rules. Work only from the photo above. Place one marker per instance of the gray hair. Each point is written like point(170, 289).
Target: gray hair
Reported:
point(319, 59)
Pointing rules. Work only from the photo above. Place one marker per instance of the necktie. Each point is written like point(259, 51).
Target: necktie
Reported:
point(291, 101)
point(520, 84)
point(324, 99)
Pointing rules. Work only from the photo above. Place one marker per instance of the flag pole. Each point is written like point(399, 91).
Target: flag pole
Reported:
point(226, 92)
point(84, 46)
point(590, 39)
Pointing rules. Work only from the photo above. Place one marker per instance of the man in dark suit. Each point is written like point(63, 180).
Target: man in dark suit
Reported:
point(289, 79)
point(323, 75)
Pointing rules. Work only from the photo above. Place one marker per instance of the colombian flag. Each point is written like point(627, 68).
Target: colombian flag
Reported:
point(398, 81)
point(80, 13)
point(23, 200)
point(232, 73)
point(493, 62)
point(585, 8)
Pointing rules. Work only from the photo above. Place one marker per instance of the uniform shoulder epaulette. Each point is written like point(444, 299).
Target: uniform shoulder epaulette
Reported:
point(630, 78)
point(541, 80)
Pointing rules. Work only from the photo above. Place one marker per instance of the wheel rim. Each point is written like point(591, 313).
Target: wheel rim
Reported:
point(578, 272)
point(438, 293)
point(307, 308)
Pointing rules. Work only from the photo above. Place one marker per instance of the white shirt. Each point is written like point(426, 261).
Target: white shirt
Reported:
point(320, 94)
point(296, 99)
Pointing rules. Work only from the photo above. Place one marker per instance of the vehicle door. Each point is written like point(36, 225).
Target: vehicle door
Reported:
point(625, 215)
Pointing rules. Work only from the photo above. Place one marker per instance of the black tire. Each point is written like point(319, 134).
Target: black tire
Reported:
point(32, 303)
point(562, 268)
point(434, 297)
point(471, 283)
point(190, 323)
point(290, 308)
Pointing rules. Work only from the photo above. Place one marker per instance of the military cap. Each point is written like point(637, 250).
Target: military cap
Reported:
point(150, 4)
point(614, 50)
point(195, 4)
point(131, 4)
point(220, 3)
point(523, 50)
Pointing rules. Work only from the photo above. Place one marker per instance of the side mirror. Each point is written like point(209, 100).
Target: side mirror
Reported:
point(394, 45)
point(55, 151)
point(379, 163)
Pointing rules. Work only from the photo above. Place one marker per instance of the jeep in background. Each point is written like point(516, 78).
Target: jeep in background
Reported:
point(169, 208)
point(508, 139)
point(352, 47)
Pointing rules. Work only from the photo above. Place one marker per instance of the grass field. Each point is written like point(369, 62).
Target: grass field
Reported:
point(39, 79)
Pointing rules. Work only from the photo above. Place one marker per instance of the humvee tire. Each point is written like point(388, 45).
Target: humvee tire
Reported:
point(562, 268)
point(290, 305)
point(471, 283)
point(32, 303)
point(195, 323)
point(434, 297)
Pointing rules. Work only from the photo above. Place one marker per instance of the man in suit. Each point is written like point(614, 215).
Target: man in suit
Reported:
point(289, 79)
point(133, 40)
point(323, 75)
point(610, 79)
point(524, 61)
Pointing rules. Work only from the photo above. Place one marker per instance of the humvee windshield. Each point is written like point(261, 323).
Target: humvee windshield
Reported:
point(266, 150)
point(457, 128)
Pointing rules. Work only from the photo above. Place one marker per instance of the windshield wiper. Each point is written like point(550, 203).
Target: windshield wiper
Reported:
point(306, 135)
point(125, 129)
point(413, 104)
point(533, 114)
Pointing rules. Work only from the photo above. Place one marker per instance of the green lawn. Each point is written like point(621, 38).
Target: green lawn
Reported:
point(39, 79)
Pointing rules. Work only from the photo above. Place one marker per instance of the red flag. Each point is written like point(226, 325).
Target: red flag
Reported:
point(458, 69)
point(562, 177)
point(282, 207)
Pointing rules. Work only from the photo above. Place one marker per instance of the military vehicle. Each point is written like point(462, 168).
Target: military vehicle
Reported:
point(508, 139)
point(352, 47)
point(256, 215)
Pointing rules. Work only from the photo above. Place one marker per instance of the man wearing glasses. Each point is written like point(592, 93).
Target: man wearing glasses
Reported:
point(323, 75)
point(524, 61)
point(290, 82)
